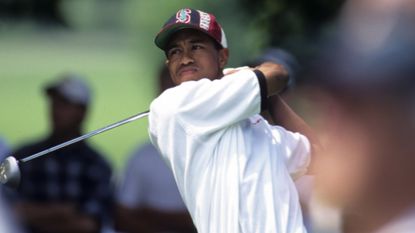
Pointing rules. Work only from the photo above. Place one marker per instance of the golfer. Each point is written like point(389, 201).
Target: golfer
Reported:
point(233, 169)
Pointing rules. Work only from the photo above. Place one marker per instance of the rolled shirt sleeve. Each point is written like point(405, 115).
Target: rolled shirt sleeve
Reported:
point(204, 107)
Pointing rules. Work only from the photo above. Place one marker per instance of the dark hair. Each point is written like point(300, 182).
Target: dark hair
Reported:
point(217, 45)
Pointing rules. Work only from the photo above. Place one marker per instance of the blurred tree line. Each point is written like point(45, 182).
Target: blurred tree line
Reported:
point(114, 38)
point(295, 25)
point(42, 11)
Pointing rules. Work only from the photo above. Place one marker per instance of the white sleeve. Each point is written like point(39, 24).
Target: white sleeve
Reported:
point(297, 150)
point(204, 107)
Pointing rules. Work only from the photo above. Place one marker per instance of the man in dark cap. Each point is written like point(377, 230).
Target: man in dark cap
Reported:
point(70, 190)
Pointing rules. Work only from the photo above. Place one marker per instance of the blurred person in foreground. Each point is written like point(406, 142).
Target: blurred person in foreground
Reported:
point(233, 169)
point(4, 149)
point(147, 197)
point(70, 189)
point(8, 222)
point(366, 92)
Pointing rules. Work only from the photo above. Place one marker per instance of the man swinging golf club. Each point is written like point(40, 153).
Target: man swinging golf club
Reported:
point(234, 170)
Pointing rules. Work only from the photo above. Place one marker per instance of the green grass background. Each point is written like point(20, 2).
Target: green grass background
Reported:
point(111, 44)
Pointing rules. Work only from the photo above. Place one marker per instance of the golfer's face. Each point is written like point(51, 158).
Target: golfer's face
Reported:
point(191, 55)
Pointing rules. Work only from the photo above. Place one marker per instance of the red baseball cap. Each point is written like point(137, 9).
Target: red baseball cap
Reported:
point(193, 19)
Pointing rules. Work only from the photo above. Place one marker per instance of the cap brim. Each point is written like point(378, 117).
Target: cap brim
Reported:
point(166, 33)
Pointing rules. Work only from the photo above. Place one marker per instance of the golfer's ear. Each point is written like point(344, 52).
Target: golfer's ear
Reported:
point(223, 57)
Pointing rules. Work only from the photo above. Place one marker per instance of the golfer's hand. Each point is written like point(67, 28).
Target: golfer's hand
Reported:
point(276, 76)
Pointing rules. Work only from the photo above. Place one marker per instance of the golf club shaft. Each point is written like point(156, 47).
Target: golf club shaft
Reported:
point(85, 136)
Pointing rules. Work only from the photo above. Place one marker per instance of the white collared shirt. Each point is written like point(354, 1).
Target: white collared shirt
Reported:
point(234, 170)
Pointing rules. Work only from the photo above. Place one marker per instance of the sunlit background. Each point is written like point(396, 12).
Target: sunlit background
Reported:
point(111, 44)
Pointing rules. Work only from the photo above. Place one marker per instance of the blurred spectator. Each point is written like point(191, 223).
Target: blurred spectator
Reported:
point(7, 221)
point(4, 149)
point(366, 106)
point(148, 198)
point(70, 189)
point(4, 152)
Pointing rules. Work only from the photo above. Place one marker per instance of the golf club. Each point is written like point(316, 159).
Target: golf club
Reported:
point(9, 168)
